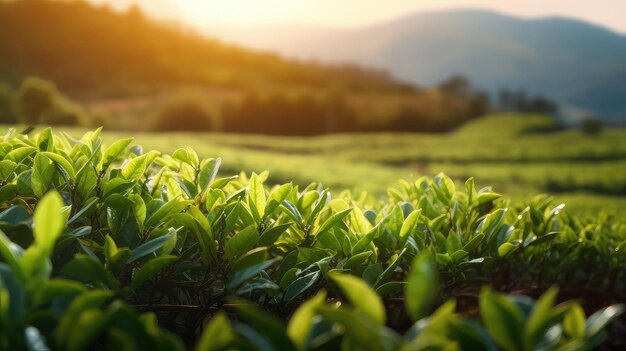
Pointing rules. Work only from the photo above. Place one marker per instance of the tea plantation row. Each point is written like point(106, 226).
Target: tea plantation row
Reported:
point(114, 248)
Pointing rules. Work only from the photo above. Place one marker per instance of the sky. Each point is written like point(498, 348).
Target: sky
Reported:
point(354, 13)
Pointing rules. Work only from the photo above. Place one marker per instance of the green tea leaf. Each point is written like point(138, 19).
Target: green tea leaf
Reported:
point(484, 198)
point(217, 334)
point(446, 186)
point(540, 320)
point(43, 174)
point(114, 151)
point(382, 278)
point(357, 259)
point(362, 332)
point(48, 221)
point(19, 154)
point(208, 171)
point(503, 320)
point(139, 210)
point(256, 197)
point(574, 322)
point(421, 287)
point(84, 268)
point(91, 204)
point(361, 296)
point(175, 205)
point(148, 247)
point(301, 285)
point(408, 226)
point(299, 328)
point(276, 198)
point(599, 320)
point(241, 242)
point(151, 268)
point(333, 220)
point(135, 168)
point(186, 155)
point(57, 289)
point(270, 235)
point(241, 276)
point(62, 162)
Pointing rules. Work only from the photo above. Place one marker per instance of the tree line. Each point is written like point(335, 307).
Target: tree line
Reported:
point(280, 112)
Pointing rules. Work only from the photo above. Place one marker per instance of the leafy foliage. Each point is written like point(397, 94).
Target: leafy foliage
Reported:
point(146, 250)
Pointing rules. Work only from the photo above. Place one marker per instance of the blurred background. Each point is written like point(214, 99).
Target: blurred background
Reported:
point(526, 96)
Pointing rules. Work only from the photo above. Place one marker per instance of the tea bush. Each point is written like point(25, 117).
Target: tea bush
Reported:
point(105, 247)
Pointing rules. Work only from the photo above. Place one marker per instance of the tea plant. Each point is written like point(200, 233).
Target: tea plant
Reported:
point(127, 244)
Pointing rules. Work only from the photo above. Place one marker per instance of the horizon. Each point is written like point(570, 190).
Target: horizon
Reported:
point(242, 14)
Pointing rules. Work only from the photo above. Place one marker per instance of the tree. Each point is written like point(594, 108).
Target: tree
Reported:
point(591, 125)
point(34, 98)
point(520, 101)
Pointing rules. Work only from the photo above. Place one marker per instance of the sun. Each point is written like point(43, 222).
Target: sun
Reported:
point(354, 13)
point(232, 12)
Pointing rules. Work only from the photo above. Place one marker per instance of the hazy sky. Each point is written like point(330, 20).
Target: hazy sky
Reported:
point(347, 13)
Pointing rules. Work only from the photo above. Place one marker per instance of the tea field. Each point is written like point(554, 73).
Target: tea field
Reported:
point(518, 155)
point(165, 250)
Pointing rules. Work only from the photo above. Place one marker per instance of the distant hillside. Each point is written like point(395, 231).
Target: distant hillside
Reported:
point(97, 66)
point(93, 50)
point(581, 65)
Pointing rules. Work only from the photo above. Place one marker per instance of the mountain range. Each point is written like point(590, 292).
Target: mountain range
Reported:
point(580, 65)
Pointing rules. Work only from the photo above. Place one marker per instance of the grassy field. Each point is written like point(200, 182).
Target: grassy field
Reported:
point(518, 155)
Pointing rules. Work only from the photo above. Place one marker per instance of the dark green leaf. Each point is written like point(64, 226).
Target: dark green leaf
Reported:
point(241, 276)
point(421, 287)
point(148, 247)
point(503, 320)
point(151, 268)
point(301, 285)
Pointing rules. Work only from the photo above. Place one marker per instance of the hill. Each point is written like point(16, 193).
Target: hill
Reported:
point(84, 48)
point(138, 73)
point(583, 66)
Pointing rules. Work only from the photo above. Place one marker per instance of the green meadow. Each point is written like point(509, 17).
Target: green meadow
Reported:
point(518, 155)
